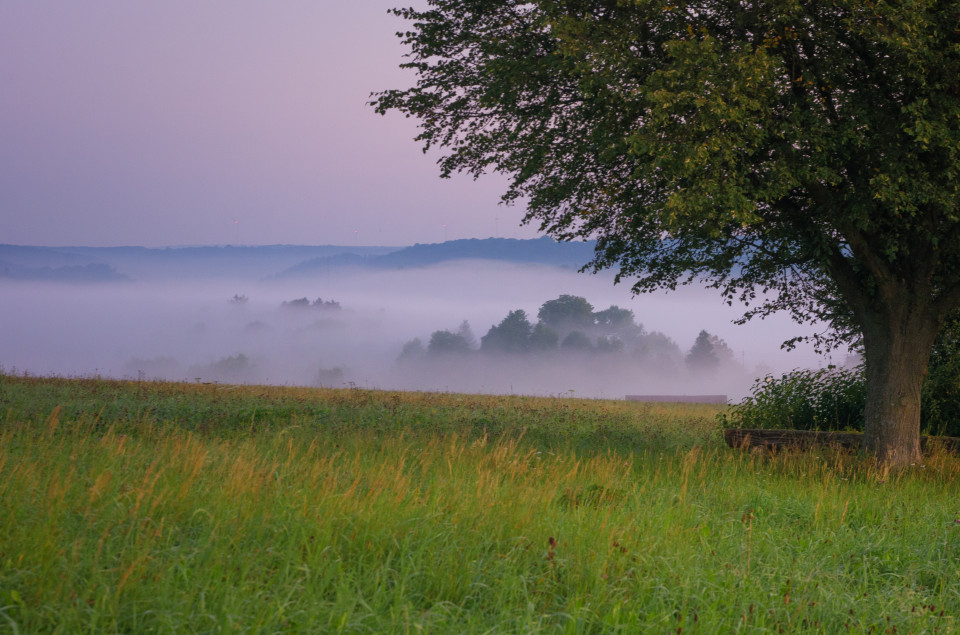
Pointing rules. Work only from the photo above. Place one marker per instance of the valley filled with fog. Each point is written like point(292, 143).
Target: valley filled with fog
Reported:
point(263, 329)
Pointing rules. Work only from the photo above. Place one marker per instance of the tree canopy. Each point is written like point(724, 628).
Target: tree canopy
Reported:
point(798, 156)
point(708, 353)
point(567, 313)
point(512, 335)
point(447, 343)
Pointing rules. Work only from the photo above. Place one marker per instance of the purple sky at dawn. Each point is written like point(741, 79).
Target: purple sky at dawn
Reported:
point(165, 123)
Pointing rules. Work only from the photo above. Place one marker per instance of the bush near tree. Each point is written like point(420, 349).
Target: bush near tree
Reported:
point(834, 398)
point(825, 399)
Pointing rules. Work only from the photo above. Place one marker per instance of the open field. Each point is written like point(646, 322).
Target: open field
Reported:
point(154, 507)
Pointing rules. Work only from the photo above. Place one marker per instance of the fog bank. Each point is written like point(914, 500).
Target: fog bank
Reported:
point(238, 330)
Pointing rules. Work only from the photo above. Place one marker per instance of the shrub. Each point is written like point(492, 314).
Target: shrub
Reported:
point(834, 398)
point(825, 399)
point(940, 400)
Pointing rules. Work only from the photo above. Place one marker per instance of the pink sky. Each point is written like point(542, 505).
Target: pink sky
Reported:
point(218, 122)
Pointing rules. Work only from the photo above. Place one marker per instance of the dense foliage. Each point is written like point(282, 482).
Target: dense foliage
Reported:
point(941, 388)
point(825, 399)
point(833, 398)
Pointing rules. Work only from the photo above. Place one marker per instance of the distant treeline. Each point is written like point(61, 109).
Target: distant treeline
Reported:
point(569, 326)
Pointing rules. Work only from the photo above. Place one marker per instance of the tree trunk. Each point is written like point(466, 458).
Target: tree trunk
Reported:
point(897, 347)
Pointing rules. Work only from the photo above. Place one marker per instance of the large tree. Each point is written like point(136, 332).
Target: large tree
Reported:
point(512, 335)
point(800, 155)
point(567, 313)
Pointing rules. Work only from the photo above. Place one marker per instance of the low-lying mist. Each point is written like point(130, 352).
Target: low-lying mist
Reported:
point(243, 331)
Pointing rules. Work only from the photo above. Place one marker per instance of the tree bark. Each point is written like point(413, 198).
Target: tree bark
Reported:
point(897, 345)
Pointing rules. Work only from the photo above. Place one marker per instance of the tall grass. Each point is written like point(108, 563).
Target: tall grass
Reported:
point(161, 507)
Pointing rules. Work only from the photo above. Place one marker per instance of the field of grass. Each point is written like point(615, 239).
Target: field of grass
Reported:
point(157, 507)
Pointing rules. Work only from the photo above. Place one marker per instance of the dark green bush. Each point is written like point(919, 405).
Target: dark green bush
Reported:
point(826, 399)
point(940, 400)
point(833, 398)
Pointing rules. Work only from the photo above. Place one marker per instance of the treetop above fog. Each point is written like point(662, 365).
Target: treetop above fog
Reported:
point(610, 333)
point(567, 313)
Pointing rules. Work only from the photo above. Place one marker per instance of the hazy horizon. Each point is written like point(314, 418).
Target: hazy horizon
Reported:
point(190, 328)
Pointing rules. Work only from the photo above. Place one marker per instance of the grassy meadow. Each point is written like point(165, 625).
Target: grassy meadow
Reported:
point(157, 507)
